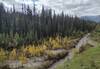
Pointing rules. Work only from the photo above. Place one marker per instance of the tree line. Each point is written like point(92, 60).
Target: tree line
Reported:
point(20, 28)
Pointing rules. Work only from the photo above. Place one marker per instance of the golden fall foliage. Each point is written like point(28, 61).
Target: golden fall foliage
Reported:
point(2, 55)
point(37, 50)
point(22, 58)
point(13, 55)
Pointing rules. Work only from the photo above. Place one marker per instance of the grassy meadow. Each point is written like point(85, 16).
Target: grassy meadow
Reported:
point(89, 58)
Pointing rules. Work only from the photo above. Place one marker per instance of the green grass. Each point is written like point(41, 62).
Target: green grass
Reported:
point(96, 36)
point(89, 59)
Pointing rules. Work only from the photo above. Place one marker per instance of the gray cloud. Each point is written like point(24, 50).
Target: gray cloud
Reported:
point(74, 7)
point(77, 7)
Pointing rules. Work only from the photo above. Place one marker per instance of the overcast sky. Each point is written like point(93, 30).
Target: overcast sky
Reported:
point(73, 7)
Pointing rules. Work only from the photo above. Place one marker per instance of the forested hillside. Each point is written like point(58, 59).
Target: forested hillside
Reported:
point(33, 39)
point(22, 28)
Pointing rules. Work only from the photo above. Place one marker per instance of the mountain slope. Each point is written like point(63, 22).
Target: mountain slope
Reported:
point(92, 18)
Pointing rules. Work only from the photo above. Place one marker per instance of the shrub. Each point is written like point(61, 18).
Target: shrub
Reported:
point(3, 55)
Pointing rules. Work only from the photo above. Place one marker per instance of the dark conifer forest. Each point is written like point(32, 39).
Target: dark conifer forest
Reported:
point(21, 28)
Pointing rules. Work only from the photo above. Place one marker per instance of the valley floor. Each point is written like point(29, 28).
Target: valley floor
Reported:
point(81, 53)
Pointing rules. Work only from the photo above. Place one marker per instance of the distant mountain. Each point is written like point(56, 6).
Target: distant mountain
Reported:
point(92, 18)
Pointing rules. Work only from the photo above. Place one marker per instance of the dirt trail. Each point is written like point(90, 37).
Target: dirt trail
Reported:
point(32, 64)
point(81, 43)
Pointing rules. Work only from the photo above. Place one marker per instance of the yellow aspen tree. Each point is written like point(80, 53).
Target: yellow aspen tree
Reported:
point(2, 55)
point(13, 54)
point(22, 58)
